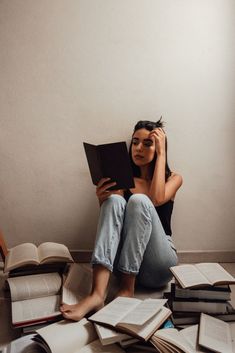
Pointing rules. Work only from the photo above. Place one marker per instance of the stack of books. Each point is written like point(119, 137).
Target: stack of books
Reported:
point(35, 281)
point(200, 288)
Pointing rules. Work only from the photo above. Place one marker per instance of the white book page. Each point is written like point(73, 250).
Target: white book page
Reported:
point(151, 325)
point(34, 286)
point(38, 308)
point(232, 330)
point(190, 334)
point(143, 312)
point(114, 312)
point(77, 284)
point(77, 334)
point(49, 252)
point(20, 255)
point(107, 335)
point(189, 275)
point(96, 347)
point(214, 272)
point(173, 336)
point(215, 334)
point(23, 344)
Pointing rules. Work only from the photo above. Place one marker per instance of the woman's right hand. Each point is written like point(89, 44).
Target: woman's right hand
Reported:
point(102, 191)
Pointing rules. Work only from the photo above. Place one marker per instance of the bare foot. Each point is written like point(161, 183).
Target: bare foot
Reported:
point(78, 311)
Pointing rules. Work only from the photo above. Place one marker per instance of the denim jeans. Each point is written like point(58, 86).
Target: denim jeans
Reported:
point(131, 239)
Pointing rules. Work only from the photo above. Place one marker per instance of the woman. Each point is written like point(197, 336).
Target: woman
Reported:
point(134, 229)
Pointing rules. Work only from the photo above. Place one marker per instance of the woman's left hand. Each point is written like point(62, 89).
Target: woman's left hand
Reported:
point(160, 140)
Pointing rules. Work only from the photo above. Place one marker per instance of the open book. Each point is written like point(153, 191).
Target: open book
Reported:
point(110, 160)
point(217, 335)
point(202, 274)
point(29, 254)
point(172, 340)
point(137, 317)
point(72, 337)
point(35, 298)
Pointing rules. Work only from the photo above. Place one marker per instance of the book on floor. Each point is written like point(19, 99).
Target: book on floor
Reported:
point(136, 317)
point(77, 284)
point(27, 254)
point(202, 274)
point(72, 337)
point(23, 344)
point(35, 298)
point(110, 160)
point(222, 292)
point(108, 335)
point(216, 335)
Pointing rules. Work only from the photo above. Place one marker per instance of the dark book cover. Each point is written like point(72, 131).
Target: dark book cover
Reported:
point(110, 160)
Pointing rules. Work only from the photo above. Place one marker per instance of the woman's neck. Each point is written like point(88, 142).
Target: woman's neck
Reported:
point(145, 173)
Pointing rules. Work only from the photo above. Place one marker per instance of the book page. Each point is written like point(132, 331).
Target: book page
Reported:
point(77, 284)
point(143, 312)
point(114, 312)
point(96, 347)
point(34, 309)
point(68, 336)
point(232, 330)
point(24, 344)
point(34, 286)
point(215, 273)
point(150, 326)
point(189, 275)
point(190, 334)
point(53, 252)
point(20, 255)
point(172, 336)
point(215, 334)
point(108, 336)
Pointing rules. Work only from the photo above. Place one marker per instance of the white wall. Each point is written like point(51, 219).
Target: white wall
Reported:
point(75, 70)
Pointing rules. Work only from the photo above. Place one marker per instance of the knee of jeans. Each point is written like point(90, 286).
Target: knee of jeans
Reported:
point(115, 201)
point(138, 201)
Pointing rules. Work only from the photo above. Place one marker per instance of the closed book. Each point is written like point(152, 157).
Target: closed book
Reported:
point(199, 306)
point(222, 292)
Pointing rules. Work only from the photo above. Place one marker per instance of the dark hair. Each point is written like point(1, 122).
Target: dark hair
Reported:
point(149, 125)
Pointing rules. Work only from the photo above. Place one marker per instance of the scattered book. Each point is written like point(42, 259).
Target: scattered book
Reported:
point(72, 337)
point(35, 298)
point(110, 160)
point(108, 335)
point(139, 318)
point(29, 254)
point(77, 284)
point(194, 305)
point(23, 344)
point(216, 335)
point(202, 274)
point(173, 340)
point(222, 292)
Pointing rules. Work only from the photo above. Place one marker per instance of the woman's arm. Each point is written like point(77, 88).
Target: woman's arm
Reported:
point(160, 190)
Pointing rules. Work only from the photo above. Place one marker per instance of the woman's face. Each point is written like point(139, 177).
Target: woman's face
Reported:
point(143, 148)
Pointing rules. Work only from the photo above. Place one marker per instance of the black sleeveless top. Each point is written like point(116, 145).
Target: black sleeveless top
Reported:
point(164, 212)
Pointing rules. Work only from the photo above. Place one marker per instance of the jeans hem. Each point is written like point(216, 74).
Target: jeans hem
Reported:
point(102, 263)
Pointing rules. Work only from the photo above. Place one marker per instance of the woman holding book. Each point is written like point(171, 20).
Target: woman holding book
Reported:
point(134, 230)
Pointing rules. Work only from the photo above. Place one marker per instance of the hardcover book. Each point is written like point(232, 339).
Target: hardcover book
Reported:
point(110, 160)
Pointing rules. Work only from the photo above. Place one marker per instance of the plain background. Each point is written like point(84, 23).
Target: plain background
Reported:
point(88, 70)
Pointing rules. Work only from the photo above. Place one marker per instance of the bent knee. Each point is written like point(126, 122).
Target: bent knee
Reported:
point(115, 201)
point(138, 200)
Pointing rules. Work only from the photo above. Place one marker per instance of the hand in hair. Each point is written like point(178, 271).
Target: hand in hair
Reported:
point(160, 140)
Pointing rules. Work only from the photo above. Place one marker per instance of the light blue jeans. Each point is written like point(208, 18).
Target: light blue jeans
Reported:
point(131, 239)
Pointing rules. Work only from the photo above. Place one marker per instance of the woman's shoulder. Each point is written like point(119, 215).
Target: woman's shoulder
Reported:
point(176, 177)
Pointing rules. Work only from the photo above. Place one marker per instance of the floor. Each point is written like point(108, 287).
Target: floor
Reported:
point(7, 333)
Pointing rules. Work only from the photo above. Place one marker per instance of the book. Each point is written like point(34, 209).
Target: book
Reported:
point(216, 335)
point(110, 160)
point(23, 344)
point(174, 340)
point(72, 337)
point(202, 274)
point(139, 318)
point(194, 305)
point(35, 298)
point(108, 335)
point(76, 284)
point(29, 254)
point(191, 318)
point(222, 292)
